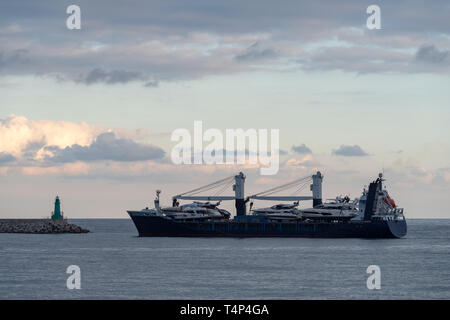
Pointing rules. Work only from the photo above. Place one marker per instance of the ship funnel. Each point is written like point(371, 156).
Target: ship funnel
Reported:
point(316, 188)
point(372, 197)
point(239, 194)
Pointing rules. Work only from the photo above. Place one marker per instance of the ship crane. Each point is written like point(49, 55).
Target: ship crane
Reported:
point(315, 187)
point(223, 184)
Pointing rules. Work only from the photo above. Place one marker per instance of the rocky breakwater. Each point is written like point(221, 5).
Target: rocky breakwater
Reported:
point(39, 226)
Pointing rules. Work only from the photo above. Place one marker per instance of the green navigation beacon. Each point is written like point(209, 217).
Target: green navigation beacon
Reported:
point(57, 214)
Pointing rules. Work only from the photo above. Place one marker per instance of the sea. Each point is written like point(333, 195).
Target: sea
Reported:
point(114, 263)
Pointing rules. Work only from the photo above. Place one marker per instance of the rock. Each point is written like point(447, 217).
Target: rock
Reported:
point(41, 226)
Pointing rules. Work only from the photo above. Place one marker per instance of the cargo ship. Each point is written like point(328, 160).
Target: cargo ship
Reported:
point(373, 215)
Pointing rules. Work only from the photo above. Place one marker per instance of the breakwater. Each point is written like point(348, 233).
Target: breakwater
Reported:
point(39, 226)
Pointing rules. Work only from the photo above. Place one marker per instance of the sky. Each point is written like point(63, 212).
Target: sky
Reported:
point(88, 114)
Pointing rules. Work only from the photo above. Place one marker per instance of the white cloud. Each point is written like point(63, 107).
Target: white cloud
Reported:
point(17, 133)
point(306, 161)
point(37, 140)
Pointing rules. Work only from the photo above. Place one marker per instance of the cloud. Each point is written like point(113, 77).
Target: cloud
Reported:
point(430, 54)
point(106, 147)
point(350, 151)
point(442, 175)
point(16, 58)
point(19, 135)
point(307, 161)
point(34, 140)
point(179, 41)
point(255, 52)
point(357, 57)
point(302, 149)
point(111, 77)
point(152, 84)
point(6, 157)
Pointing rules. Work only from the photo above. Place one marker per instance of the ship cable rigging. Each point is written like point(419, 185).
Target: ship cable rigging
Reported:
point(301, 187)
point(221, 185)
point(300, 183)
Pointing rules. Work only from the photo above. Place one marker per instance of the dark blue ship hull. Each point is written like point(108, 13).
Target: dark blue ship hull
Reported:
point(157, 226)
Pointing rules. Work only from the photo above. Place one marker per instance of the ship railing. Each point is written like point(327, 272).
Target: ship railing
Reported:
point(390, 214)
point(393, 211)
point(398, 214)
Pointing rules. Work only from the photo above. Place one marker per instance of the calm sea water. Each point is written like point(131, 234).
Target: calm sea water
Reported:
point(116, 264)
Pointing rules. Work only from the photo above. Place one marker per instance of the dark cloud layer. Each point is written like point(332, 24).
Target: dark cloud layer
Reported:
point(106, 147)
point(350, 151)
point(154, 41)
